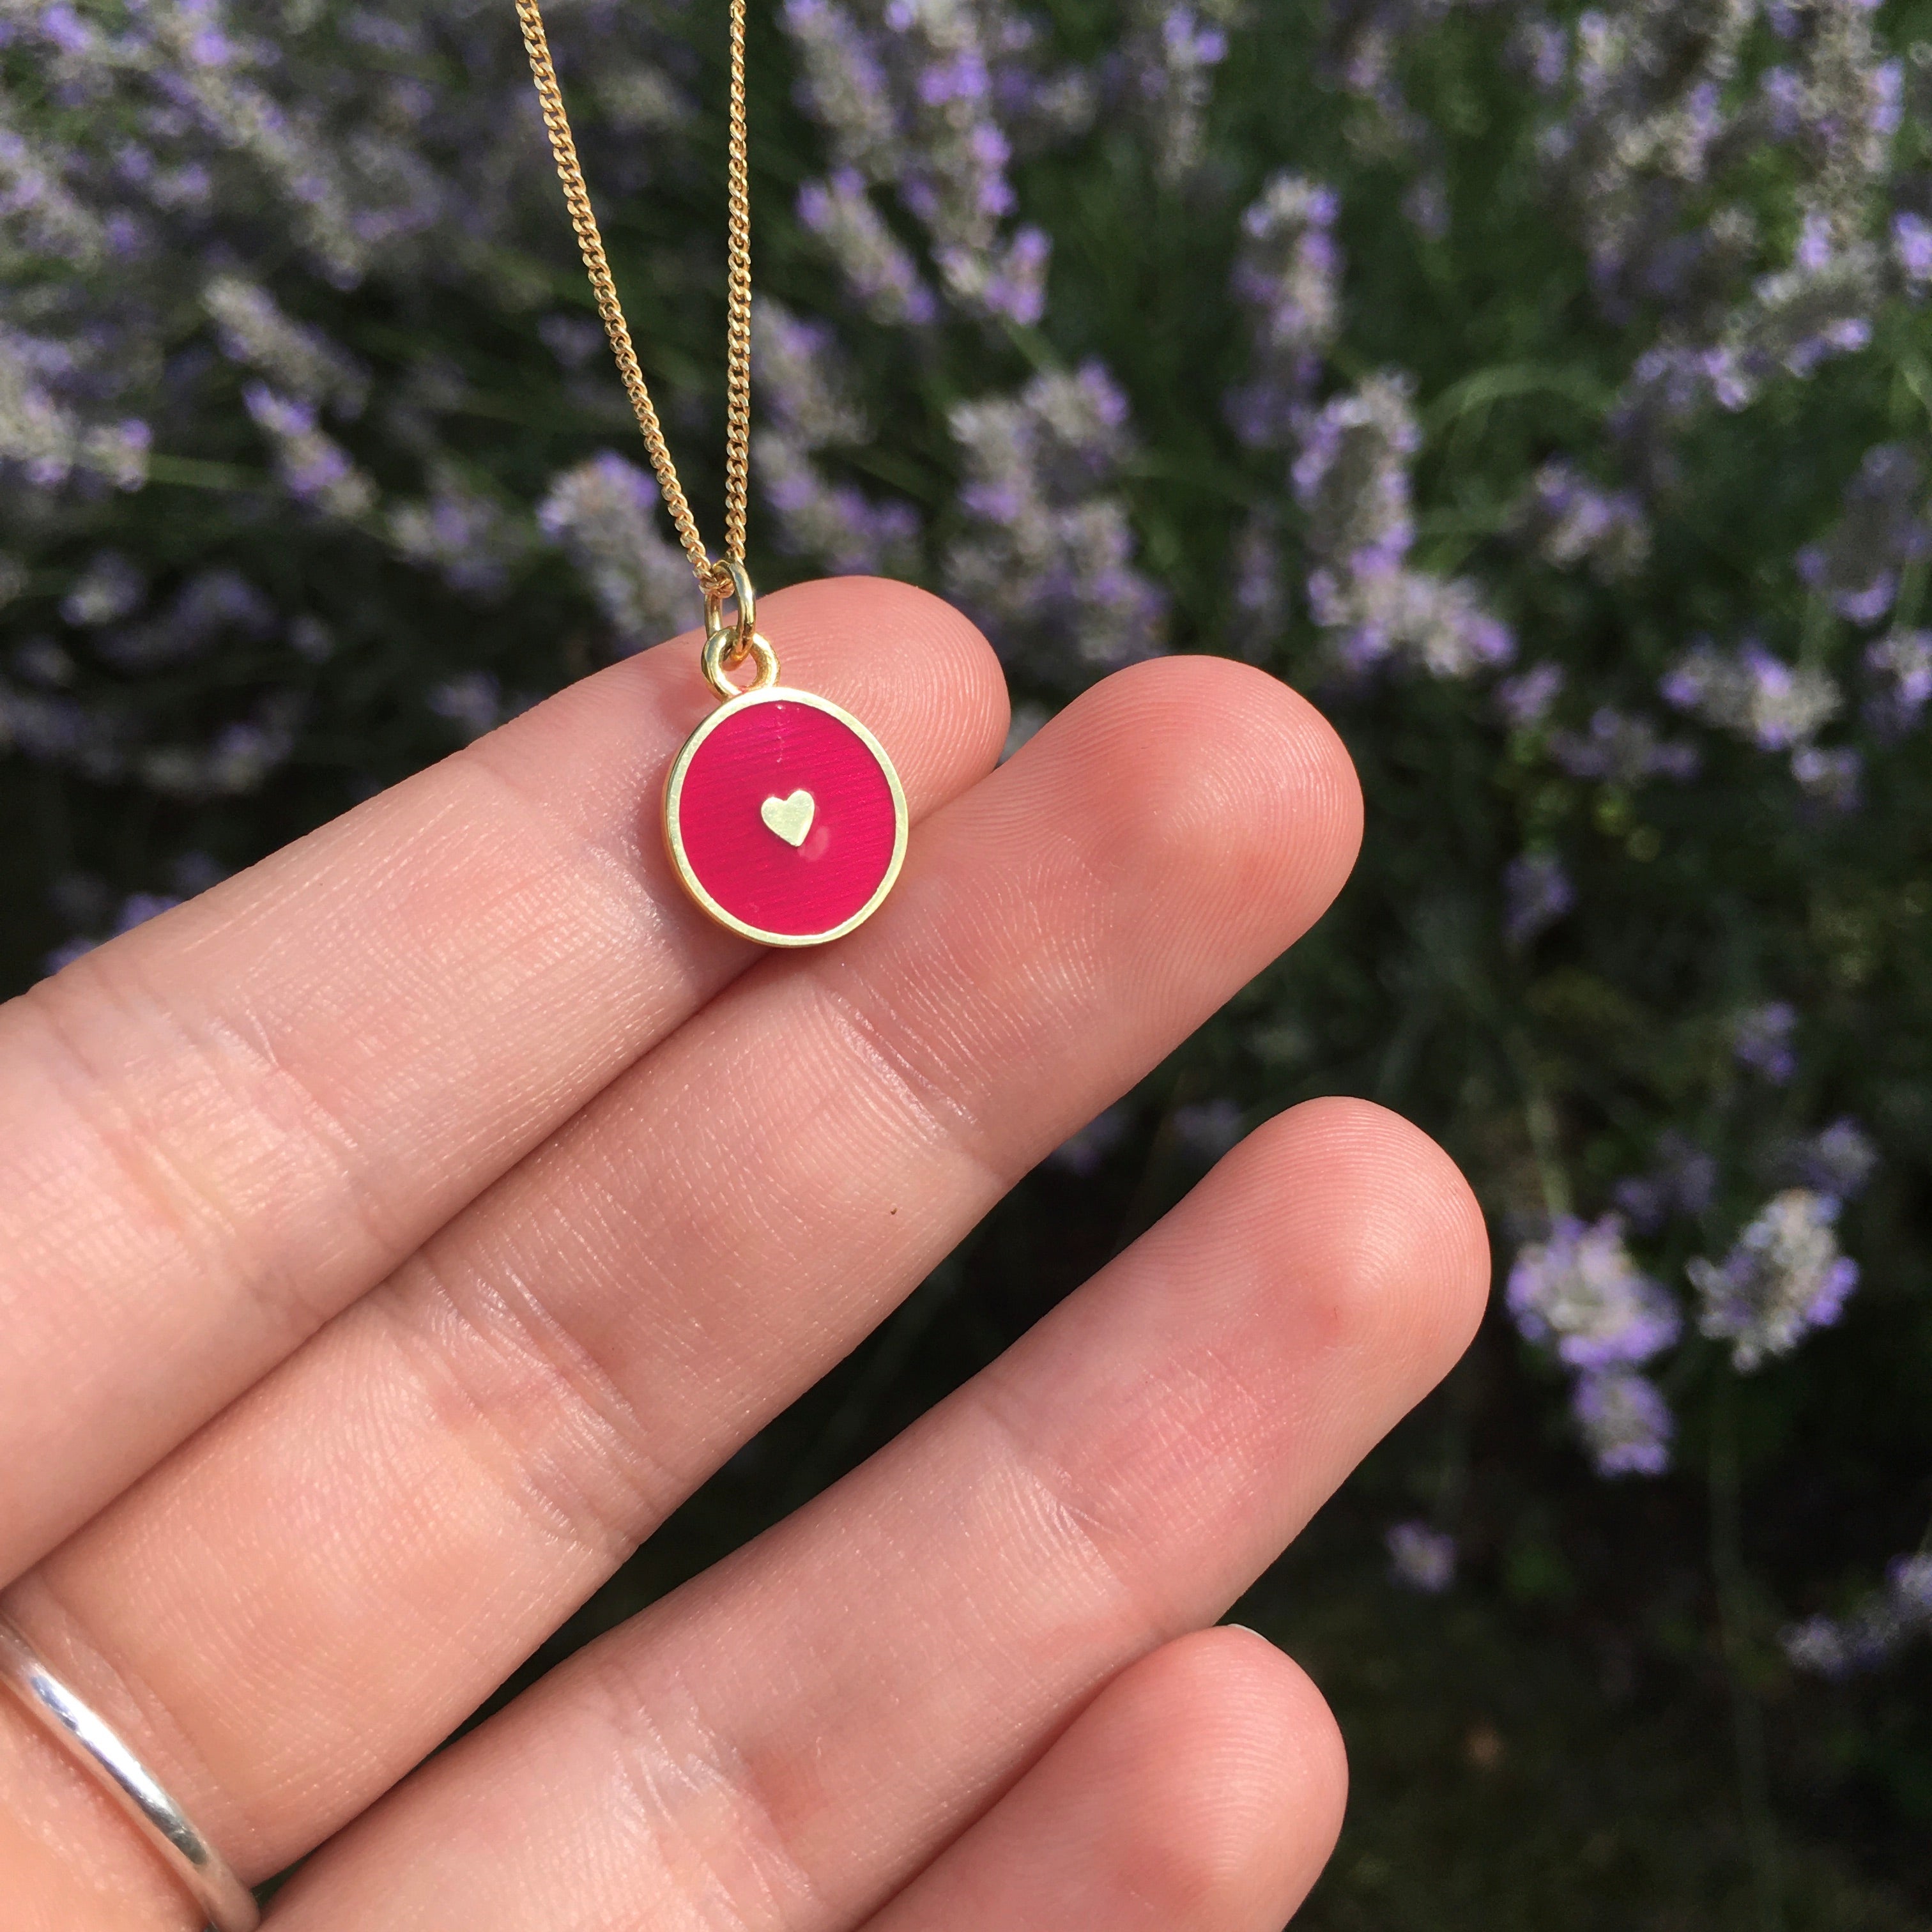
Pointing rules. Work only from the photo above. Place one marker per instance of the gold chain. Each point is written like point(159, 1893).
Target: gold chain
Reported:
point(713, 577)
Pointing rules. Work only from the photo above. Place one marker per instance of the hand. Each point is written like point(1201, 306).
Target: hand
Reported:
point(390, 1237)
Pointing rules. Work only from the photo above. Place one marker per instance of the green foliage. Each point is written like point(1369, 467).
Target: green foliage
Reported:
point(1597, 1726)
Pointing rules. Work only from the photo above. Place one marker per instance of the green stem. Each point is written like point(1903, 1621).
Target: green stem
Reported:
point(1911, 595)
point(1539, 1120)
point(1727, 1568)
point(1815, 645)
point(194, 474)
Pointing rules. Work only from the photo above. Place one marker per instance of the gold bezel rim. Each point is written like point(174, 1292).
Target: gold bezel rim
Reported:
point(674, 839)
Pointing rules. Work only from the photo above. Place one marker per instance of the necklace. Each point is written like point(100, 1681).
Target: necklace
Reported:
point(782, 814)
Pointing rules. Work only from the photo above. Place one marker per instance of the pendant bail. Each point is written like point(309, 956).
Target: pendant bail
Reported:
point(728, 644)
point(728, 582)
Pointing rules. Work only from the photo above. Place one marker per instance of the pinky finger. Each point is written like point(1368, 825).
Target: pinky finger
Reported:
point(1201, 1791)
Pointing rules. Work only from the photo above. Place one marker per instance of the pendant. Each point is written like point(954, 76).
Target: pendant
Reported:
point(782, 814)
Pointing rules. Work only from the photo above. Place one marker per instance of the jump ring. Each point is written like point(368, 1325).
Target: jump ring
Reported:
point(98, 1748)
point(721, 648)
point(736, 587)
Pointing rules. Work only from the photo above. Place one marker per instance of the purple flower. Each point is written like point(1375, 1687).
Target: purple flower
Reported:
point(1350, 474)
point(1909, 1583)
point(1421, 1558)
point(138, 908)
point(1543, 48)
point(1769, 702)
point(1016, 287)
point(1207, 1129)
point(1621, 747)
point(1682, 1181)
point(1878, 1627)
point(66, 953)
point(1085, 1152)
point(1580, 1293)
point(1912, 248)
point(1260, 593)
point(1537, 892)
point(110, 588)
point(1191, 43)
point(314, 468)
point(1784, 1278)
point(878, 270)
point(1833, 777)
point(1882, 528)
point(1287, 276)
point(1838, 1161)
point(1817, 1646)
point(1761, 1040)
point(1571, 520)
point(600, 513)
point(472, 700)
point(1046, 562)
point(1899, 667)
point(1525, 701)
point(572, 339)
point(469, 538)
point(1625, 1422)
point(212, 606)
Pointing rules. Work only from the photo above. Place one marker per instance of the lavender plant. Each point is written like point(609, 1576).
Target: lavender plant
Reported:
point(1548, 391)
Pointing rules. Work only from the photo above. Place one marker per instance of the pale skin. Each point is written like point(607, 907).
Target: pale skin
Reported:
point(392, 1237)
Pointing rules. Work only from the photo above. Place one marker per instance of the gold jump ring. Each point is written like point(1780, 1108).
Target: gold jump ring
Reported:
point(722, 648)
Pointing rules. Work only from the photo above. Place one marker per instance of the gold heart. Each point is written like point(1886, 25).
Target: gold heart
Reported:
point(791, 818)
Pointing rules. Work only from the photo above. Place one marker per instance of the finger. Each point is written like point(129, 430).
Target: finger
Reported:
point(1202, 1791)
point(786, 1741)
point(221, 1129)
point(366, 1544)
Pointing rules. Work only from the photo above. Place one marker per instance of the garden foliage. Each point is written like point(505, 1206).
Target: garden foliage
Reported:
point(1548, 394)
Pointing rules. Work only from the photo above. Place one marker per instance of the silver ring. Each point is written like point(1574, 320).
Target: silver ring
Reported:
point(96, 1747)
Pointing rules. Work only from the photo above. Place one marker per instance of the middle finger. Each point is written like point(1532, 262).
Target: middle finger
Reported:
point(314, 1592)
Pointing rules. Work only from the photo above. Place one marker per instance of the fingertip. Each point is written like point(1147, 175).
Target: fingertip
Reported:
point(1239, 1780)
point(1261, 1707)
point(910, 663)
point(1226, 791)
point(1273, 731)
point(1380, 1216)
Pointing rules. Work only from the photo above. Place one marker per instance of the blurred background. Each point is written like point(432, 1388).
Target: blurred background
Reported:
point(1548, 394)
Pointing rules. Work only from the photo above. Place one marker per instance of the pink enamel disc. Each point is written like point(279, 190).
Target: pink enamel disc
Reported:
point(785, 817)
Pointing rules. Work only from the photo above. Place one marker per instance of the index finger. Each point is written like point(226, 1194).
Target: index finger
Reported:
point(217, 1131)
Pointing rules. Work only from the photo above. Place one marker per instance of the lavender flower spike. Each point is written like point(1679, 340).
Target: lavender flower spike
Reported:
point(1899, 667)
point(1784, 1278)
point(1581, 1293)
point(877, 269)
point(1769, 702)
point(600, 513)
point(1351, 476)
point(1287, 275)
point(1421, 1558)
point(1883, 529)
point(1875, 1631)
point(1570, 521)
point(1761, 1039)
point(1537, 892)
point(1626, 1423)
point(1838, 1160)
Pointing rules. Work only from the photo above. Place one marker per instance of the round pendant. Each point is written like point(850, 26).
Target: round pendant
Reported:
point(785, 817)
